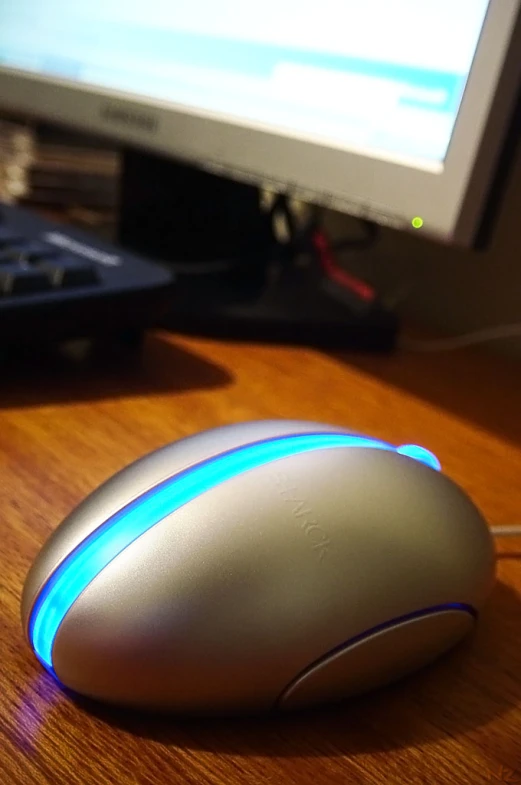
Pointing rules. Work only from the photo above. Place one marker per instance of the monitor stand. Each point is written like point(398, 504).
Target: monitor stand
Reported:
point(236, 280)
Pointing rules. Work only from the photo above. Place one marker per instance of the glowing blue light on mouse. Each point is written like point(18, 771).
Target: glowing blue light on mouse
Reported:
point(83, 564)
point(420, 454)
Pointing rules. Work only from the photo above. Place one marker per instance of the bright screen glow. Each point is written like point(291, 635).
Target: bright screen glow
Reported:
point(380, 77)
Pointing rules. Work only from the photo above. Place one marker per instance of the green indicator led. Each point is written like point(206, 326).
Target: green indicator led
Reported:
point(417, 222)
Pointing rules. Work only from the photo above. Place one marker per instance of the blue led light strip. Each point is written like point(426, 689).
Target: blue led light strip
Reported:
point(77, 571)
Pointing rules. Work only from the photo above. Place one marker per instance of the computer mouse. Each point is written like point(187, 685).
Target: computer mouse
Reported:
point(257, 567)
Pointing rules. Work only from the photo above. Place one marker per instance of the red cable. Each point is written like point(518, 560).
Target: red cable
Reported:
point(336, 273)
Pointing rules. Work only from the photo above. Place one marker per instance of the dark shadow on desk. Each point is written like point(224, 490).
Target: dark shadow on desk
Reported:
point(481, 388)
point(464, 691)
point(38, 377)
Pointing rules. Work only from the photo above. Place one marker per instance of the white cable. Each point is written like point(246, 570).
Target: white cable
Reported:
point(460, 341)
point(506, 531)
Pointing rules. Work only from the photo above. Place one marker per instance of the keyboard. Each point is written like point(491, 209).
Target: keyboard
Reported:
point(58, 283)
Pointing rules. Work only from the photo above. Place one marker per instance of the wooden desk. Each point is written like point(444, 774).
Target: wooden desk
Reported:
point(63, 431)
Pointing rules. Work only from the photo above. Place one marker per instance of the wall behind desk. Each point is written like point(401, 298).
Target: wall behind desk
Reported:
point(449, 289)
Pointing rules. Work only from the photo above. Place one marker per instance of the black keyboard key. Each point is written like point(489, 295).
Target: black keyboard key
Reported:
point(66, 271)
point(18, 279)
point(8, 237)
point(30, 251)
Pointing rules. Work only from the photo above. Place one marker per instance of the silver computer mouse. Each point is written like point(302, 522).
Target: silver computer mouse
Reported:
point(257, 566)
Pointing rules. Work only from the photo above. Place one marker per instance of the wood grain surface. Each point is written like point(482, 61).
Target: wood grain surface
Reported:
point(67, 426)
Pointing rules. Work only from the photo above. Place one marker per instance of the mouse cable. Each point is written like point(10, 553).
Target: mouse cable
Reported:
point(497, 333)
point(506, 531)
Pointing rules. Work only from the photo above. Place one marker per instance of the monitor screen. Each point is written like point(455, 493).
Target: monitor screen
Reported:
point(368, 75)
point(379, 80)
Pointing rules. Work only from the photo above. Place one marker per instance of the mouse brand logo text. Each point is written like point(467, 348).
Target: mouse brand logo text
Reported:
point(303, 515)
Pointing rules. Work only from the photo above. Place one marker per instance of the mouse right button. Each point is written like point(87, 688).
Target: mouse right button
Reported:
point(378, 657)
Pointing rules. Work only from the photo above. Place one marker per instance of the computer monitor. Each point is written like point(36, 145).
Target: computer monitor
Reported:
point(391, 110)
